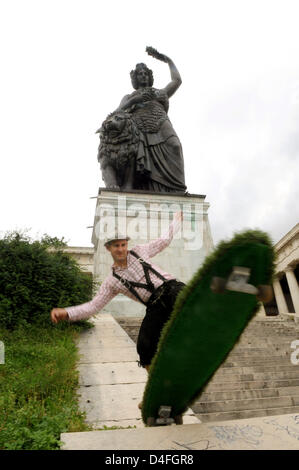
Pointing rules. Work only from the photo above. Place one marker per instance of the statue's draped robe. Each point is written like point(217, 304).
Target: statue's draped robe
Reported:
point(158, 167)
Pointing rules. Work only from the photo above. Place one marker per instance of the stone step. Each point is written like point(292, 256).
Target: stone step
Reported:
point(256, 347)
point(95, 342)
point(248, 434)
point(240, 405)
point(269, 321)
point(271, 341)
point(245, 414)
point(262, 330)
point(288, 367)
point(100, 331)
point(113, 403)
point(258, 330)
point(111, 354)
point(259, 345)
point(251, 385)
point(269, 324)
point(255, 376)
point(265, 343)
point(269, 337)
point(248, 394)
point(256, 361)
point(111, 373)
point(258, 353)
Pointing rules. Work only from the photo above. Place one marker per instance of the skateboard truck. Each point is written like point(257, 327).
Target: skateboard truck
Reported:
point(237, 282)
point(164, 418)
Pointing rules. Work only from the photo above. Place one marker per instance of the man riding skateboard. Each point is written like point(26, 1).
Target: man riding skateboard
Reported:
point(133, 275)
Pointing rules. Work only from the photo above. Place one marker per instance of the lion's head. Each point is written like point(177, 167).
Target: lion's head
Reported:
point(119, 139)
point(113, 126)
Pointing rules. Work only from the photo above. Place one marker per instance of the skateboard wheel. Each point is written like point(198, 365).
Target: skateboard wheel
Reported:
point(178, 419)
point(150, 421)
point(218, 285)
point(265, 293)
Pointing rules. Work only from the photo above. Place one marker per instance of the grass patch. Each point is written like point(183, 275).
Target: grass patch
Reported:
point(38, 385)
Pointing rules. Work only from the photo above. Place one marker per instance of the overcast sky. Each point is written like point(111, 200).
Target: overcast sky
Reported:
point(65, 65)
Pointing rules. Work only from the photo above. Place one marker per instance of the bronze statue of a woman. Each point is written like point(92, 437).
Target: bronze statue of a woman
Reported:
point(158, 162)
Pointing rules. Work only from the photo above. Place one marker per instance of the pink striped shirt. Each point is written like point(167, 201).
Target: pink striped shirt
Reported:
point(111, 286)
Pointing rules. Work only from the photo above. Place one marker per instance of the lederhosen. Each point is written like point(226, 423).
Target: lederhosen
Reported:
point(158, 308)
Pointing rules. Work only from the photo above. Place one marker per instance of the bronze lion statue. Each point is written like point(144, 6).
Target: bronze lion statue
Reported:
point(119, 141)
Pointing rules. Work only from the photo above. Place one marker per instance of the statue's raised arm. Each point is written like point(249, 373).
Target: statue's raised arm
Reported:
point(176, 80)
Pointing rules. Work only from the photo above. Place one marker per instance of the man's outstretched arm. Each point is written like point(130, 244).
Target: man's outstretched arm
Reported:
point(86, 310)
point(153, 248)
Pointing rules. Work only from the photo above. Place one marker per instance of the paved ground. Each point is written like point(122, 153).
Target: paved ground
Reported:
point(111, 383)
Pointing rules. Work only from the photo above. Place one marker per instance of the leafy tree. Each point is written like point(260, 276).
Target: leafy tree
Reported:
point(36, 276)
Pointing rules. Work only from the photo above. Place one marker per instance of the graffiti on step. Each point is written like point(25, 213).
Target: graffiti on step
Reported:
point(202, 444)
point(271, 430)
point(291, 429)
point(231, 433)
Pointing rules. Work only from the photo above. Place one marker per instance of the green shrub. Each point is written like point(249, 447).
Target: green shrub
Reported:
point(34, 279)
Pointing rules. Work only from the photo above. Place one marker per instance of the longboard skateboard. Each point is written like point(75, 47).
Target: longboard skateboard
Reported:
point(208, 317)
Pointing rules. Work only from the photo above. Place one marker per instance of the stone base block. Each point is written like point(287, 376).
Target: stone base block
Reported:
point(145, 217)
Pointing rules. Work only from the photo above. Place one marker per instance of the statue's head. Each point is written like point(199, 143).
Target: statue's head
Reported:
point(142, 76)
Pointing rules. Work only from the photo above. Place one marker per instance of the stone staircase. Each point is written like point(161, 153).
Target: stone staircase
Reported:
point(257, 378)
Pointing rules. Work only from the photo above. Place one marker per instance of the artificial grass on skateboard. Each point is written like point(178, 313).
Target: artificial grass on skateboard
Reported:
point(204, 326)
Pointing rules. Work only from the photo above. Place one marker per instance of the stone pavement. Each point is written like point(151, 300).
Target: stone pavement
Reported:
point(111, 383)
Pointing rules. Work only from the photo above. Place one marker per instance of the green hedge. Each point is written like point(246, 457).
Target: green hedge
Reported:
point(33, 280)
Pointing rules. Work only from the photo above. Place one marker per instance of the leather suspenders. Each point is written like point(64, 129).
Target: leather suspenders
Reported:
point(130, 285)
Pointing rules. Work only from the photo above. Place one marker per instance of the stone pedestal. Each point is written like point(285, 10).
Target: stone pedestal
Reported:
point(144, 217)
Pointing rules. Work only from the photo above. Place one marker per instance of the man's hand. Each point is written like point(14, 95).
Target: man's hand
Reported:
point(59, 314)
